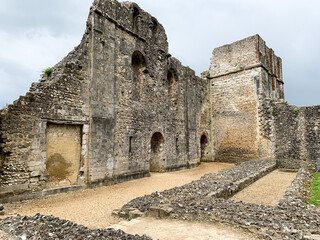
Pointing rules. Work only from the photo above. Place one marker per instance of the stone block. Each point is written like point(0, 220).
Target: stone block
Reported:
point(35, 174)
point(135, 214)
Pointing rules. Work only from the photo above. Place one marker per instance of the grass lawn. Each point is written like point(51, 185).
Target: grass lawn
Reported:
point(315, 190)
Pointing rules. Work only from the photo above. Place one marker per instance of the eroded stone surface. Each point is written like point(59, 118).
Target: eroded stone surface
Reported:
point(200, 200)
point(140, 110)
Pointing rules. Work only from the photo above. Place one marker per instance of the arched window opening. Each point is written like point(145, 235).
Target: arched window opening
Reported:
point(204, 144)
point(135, 19)
point(157, 161)
point(138, 65)
point(177, 145)
point(138, 61)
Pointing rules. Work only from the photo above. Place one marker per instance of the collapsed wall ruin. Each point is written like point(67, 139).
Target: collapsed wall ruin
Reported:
point(120, 106)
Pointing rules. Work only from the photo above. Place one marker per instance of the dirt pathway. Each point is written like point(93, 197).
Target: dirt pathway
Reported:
point(267, 190)
point(93, 207)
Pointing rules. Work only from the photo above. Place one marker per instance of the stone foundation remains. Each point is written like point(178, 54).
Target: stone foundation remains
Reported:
point(207, 200)
point(50, 227)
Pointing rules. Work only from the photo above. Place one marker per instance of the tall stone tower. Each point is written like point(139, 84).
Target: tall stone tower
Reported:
point(242, 73)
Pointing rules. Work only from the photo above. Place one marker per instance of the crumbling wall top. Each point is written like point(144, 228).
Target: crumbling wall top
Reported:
point(248, 53)
point(129, 17)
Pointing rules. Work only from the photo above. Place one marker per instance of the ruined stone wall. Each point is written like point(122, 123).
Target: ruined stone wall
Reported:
point(118, 90)
point(297, 135)
point(240, 73)
point(143, 91)
point(131, 108)
point(292, 133)
point(271, 82)
point(59, 98)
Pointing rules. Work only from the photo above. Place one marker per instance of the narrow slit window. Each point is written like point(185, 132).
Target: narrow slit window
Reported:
point(177, 145)
point(130, 144)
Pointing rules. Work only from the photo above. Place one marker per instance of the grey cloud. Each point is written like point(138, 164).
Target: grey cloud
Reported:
point(60, 16)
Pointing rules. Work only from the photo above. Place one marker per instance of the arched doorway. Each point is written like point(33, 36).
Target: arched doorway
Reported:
point(204, 148)
point(157, 160)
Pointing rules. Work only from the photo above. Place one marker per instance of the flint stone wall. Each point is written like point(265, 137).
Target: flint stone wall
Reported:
point(292, 218)
point(293, 132)
point(51, 228)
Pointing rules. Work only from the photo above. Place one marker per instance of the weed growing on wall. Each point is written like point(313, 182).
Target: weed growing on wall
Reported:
point(46, 72)
point(296, 111)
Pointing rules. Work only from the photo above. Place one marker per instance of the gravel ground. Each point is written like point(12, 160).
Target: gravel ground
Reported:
point(92, 207)
point(267, 190)
point(183, 230)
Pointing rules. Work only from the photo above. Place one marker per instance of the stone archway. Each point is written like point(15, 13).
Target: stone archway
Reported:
point(204, 145)
point(157, 160)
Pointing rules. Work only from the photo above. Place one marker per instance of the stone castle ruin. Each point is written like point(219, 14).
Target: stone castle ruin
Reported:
point(119, 106)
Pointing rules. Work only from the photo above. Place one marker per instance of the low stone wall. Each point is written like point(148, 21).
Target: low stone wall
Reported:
point(50, 228)
point(291, 133)
point(299, 191)
point(224, 183)
point(204, 200)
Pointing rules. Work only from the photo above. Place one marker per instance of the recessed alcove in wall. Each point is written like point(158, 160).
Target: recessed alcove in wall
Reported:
point(157, 146)
point(135, 18)
point(204, 145)
point(138, 65)
point(171, 81)
point(63, 147)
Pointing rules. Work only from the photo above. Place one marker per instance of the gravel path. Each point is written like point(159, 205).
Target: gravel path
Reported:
point(93, 207)
point(267, 190)
point(182, 230)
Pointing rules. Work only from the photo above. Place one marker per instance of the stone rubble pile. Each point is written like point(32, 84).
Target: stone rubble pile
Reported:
point(43, 227)
point(299, 190)
point(202, 200)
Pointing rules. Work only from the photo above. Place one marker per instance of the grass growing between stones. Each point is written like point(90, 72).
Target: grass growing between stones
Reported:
point(315, 190)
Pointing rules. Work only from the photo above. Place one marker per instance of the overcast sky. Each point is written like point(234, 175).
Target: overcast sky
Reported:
point(36, 34)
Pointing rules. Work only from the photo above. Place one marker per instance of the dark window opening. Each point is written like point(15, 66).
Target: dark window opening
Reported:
point(137, 61)
point(204, 147)
point(135, 16)
point(130, 144)
point(177, 145)
point(157, 145)
point(138, 64)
